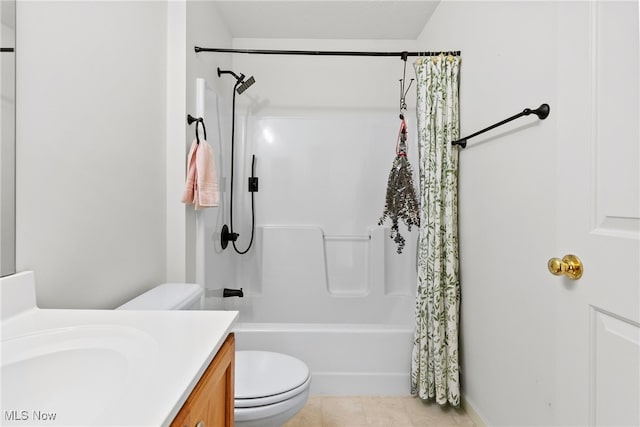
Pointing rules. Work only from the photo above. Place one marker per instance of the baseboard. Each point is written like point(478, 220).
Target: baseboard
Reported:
point(472, 413)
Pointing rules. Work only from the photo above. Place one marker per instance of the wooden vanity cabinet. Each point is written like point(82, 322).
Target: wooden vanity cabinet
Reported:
point(210, 404)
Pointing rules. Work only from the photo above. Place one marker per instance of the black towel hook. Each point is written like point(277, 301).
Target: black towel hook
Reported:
point(199, 120)
point(403, 92)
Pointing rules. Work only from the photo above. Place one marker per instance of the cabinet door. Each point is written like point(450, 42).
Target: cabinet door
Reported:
point(211, 401)
point(220, 389)
point(182, 419)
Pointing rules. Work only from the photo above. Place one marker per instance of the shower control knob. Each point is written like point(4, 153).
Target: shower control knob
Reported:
point(227, 236)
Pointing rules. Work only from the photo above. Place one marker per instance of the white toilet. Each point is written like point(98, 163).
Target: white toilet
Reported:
point(270, 388)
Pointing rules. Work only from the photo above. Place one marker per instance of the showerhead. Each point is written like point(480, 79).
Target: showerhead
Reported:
point(241, 83)
point(245, 85)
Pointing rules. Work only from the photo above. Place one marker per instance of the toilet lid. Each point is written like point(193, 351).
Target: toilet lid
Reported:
point(261, 374)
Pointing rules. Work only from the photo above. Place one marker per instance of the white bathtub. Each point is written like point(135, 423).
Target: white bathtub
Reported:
point(322, 281)
point(352, 326)
point(345, 359)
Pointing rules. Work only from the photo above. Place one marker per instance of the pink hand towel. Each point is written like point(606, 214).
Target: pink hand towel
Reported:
point(206, 182)
point(188, 196)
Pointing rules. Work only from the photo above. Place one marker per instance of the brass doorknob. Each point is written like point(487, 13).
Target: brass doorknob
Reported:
point(570, 266)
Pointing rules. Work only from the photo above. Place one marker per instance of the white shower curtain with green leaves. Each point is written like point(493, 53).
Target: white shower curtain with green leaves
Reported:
point(434, 365)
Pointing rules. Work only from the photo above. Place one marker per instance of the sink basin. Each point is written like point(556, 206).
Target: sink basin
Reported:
point(65, 367)
point(72, 376)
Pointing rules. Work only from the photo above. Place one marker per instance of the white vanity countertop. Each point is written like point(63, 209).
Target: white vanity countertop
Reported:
point(146, 363)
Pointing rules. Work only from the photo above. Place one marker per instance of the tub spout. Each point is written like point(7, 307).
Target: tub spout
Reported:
point(232, 293)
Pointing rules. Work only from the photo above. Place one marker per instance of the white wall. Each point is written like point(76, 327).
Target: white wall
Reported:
point(101, 175)
point(91, 149)
point(507, 207)
point(205, 29)
point(7, 136)
point(175, 147)
point(324, 82)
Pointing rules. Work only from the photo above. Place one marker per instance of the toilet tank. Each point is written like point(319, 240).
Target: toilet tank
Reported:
point(168, 296)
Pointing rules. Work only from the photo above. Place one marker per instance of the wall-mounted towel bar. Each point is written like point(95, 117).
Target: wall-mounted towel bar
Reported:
point(542, 112)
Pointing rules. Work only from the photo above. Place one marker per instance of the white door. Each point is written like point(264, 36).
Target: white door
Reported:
point(598, 189)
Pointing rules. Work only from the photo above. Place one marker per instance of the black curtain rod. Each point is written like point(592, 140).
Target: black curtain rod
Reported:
point(402, 55)
point(542, 112)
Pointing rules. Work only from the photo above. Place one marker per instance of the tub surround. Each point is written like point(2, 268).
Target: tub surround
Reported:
point(145, 365)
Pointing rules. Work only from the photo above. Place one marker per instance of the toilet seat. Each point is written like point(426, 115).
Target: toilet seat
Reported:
point(270, 400)
point(274, 415)
point(266, 378)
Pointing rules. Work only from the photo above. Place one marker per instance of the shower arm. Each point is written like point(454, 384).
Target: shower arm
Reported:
point(239, 78)
point(542, 112)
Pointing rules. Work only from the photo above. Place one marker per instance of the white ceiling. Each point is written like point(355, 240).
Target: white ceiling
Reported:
point(333, 19)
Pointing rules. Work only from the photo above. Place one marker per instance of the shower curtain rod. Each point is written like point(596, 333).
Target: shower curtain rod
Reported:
point(403, 55)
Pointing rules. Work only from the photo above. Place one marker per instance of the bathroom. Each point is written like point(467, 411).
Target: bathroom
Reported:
point(103, 90)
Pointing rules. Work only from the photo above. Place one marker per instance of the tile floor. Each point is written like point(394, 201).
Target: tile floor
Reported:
point(330, 411)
